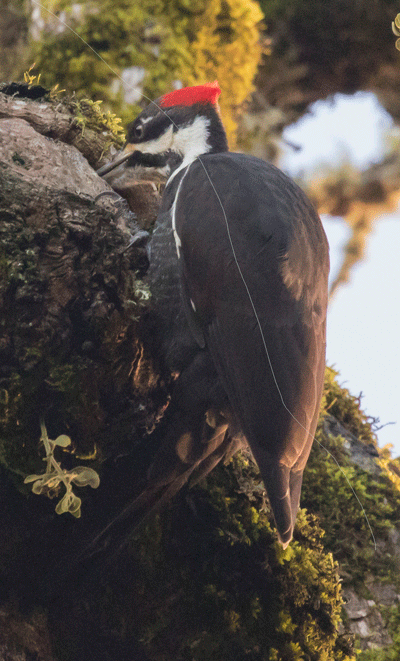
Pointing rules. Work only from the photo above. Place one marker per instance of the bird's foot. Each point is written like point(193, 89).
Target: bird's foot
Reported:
point(138, 240)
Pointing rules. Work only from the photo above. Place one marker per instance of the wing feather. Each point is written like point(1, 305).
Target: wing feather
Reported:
point(266, 335)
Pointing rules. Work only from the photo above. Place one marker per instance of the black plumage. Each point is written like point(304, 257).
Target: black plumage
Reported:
point(238, 272)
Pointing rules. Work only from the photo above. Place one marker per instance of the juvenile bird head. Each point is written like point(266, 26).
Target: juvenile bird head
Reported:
point(182, 124)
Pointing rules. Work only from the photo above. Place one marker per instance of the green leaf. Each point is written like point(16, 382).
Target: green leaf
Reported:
point(85, 476)
point(69, 503)
point(62, 506)
point(75, 506)
point(38, 487)
point(63, 441)
point(32, 478)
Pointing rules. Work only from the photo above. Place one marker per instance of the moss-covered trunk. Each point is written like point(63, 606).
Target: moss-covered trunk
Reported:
point(71, 299)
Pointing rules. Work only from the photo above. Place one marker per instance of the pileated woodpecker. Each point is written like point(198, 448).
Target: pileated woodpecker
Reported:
point(238, 272)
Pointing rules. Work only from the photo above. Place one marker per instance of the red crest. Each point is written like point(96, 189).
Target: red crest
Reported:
point(187, 96)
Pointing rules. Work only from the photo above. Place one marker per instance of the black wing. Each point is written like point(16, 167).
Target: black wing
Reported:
point(256, 276)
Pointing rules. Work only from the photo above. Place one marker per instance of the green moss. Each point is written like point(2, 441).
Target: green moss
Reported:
point(88, 114)
point(3, 268)
point(235, 592)
point(167, 40)
point(346, 408)
point(391, 617)
point(20, 161)
point(28, 396)
point(22, 265)
point(18, 450)
point(327, 492)
point(208, 581)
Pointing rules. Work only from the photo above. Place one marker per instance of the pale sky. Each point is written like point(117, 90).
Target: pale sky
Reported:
point(364, 317)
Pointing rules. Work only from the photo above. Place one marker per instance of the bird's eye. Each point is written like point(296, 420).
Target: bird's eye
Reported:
point(138, 131)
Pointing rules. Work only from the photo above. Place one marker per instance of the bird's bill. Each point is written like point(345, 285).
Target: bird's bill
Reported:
point(121, 158)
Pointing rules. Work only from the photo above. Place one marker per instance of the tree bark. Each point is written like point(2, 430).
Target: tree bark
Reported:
point(71, 301)
point(50, 118)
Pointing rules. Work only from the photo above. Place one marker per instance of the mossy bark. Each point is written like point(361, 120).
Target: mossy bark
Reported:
point(71, 301)
point(70, 297)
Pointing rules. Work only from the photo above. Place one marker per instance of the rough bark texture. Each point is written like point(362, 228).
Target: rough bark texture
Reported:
point(70, 293)
point(70, 304)
point(51, 119)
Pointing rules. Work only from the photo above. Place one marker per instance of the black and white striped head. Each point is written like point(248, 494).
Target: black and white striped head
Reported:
point(183, 124)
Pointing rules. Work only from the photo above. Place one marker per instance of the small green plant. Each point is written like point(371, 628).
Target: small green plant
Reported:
point(29, 78)
point(48, 483)
point(395, 29)
point(32, 80)
point(89, 114)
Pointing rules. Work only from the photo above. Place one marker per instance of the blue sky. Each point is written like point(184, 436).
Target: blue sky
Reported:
point(364, 316)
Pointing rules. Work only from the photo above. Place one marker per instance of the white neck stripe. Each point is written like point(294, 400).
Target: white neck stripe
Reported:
point(178, 242)
point(191, 141)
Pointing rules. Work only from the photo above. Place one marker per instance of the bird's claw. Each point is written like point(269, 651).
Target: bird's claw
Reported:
point(139, 239)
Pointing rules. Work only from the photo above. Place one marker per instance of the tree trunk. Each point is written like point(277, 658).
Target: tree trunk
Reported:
point(71, 301)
